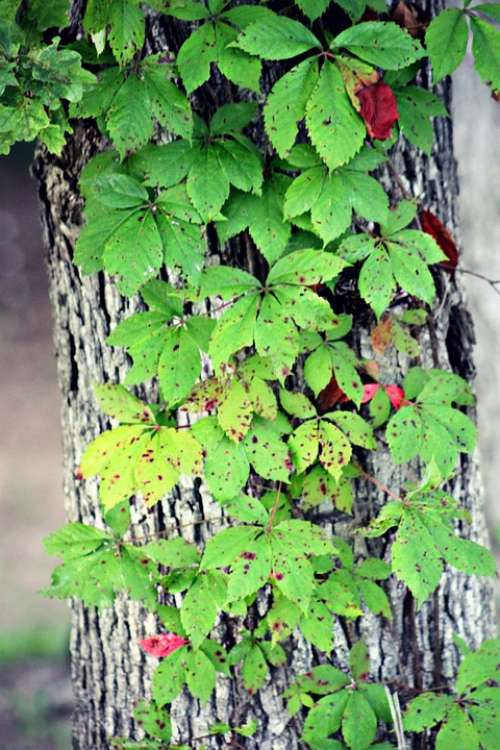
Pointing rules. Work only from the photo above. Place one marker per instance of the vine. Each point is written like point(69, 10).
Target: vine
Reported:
point(261, 395)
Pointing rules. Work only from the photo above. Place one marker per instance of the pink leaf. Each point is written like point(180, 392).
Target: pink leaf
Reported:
point(369, 392)
point(162, 644)
point(396, 395)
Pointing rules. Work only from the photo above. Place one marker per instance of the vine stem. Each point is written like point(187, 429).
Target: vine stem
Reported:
point(381, 486)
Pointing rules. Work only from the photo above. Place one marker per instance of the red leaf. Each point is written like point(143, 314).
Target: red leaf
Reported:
point(163, 644)
point(369, 391)
point(379, 109)
point(331, 395)
point(435, 227)
point(396, 395)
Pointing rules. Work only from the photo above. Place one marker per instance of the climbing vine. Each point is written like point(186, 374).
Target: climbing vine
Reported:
point(262, 396)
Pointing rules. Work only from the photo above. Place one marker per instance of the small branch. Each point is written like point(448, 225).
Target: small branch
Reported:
point(494, 283)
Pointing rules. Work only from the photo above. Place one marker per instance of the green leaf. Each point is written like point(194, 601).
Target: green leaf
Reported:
point(254, 669)
point(46, 16)
point(317, 626)
point(232, 118)
point(266, 451)
point(304, 445)
point(317, 369)
point(335, 128)
point(172, 553)
point(486, 716)
point(305, 267)
point(128, 118)
point(262, 215)
point(376, 281)
point(286, 104)
point(179, 365)
point(126, 35)
point(458, 733)
point(335, 449)
point(228, 544)
point(359, 723)
point(170, 107)
point(169, 677)
point(463, 554)
point(227, 282)
point(479, 666)
point(325, 719)
point(446, 42)
point(296, 404)
point(426, 710)
point(153, 720)
point(201, 606)
point(489, 9)
point(436, 433)
point(277, 38)
point(415, 107)
point(195, 56)
point(386, 45)
point(418, 565)
point(411, 273)
point(207, 184)
point(344, 361)
point(119, 403)
point(354, 426)
point(486, 51)
point(359, 661)
point(74, 540)
point(234, 330)
point(235, 412)
point(313, 8)
point(248, 509)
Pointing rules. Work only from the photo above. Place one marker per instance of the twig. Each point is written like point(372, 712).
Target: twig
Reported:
point(494, 283)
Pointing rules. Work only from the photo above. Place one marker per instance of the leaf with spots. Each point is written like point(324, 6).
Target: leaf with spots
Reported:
point(399, 257)
point(234, 412)
point(262, 215)
point(426, 539)
point(201, 605)
point(286, 104)
point(335, 128)
point(140, 457)
point(277, 38)
point(383, 44)
point(332, 197)
point(96, 572)
point(431, 427)
point(269, 316)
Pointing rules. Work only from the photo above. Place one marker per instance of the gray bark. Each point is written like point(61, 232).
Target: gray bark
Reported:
point(109, 671)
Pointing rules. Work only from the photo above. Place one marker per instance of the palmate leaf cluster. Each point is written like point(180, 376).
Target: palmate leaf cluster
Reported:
point(262, 394)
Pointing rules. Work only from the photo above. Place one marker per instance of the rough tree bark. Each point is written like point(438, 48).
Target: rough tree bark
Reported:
point(109, 671)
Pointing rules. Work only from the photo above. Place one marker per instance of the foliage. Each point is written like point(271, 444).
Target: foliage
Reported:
point(262, 395)
point(471, 715)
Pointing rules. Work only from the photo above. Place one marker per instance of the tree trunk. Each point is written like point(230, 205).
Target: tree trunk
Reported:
point(109, 671)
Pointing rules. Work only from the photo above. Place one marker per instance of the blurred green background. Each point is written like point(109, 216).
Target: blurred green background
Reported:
point(35, 692)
